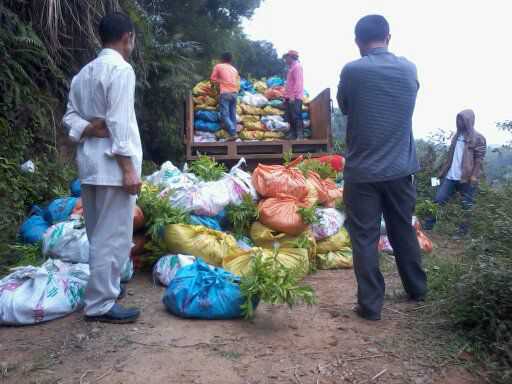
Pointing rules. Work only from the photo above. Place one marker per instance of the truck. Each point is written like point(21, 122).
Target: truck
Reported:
point(319, 144)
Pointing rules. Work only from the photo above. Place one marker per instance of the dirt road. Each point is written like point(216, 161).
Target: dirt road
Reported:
point(322, 344)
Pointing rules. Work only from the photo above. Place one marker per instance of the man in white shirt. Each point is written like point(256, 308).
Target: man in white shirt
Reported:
point(101, 119)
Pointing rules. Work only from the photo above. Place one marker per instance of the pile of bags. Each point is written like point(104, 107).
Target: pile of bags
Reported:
point(260, 111)
point(32, 294)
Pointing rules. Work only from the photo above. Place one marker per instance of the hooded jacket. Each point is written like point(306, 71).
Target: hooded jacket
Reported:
point(475, 148)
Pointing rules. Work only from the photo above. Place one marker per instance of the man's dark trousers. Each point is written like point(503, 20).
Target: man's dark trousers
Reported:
point(365, 203)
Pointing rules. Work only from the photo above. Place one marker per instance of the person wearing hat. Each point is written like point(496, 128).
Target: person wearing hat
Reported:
point(294, 92)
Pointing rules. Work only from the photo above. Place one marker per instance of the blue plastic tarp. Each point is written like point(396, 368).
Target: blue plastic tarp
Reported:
point(33, 229)
point(206, 126)
point(59, 209)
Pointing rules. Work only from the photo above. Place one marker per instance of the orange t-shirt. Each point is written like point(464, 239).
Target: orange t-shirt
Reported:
point(227, 77)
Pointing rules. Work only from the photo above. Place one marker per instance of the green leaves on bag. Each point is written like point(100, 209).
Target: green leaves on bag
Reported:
point(242, 216)
point(207, 169)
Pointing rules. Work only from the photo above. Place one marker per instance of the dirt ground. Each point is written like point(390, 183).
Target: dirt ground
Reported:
point(322, 344)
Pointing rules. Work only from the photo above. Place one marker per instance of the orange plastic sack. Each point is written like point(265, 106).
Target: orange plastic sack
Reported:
point(281, 214)
point(273, 180)
point(328, 192)
point(425, 243)
point(79, 209)
point(274, 93)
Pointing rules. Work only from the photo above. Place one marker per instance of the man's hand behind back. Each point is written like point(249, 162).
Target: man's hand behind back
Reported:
point(97, 128)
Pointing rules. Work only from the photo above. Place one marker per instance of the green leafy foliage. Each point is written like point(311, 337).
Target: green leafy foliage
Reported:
point(309, 215)
point(287, 157)
point(272, 283)
point(325, 171)
point(21, 255)
point(207, 169)
point(242, 216)
point(159, 213)
point(426, 209)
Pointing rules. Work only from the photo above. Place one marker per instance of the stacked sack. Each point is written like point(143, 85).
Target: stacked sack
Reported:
point(260, 111)
point(285, 190)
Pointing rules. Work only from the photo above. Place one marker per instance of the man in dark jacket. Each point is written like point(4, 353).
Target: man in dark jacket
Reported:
point(378, 95)
point(462, 169)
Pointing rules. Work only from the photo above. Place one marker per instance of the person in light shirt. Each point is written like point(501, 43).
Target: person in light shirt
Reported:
point(294, 94)
point(100, 118)
point(226, 77)
point(462, 169)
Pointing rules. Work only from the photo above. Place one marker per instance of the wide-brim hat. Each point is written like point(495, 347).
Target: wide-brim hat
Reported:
point(291, 53)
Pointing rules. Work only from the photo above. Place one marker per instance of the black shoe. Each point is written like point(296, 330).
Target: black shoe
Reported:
point(291, 135)
point(122, 292)
point(361, 313)
point(117, 315)
point(417, 299)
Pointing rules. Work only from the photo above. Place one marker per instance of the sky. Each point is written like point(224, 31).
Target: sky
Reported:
point(462, 50)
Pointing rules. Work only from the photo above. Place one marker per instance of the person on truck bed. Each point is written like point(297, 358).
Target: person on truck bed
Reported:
point(226, 77)
point(100, 118)
point(378, 95)
point(294, 94)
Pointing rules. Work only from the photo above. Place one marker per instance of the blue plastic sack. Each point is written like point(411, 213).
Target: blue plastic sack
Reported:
point(275, 81)
point(205, 115)
point(203, 292)
point(75, 188)
point(59, 209)
point(33, 229)
point(206, 221)
point(305, 115)
point(206, 126)
point(246, 86)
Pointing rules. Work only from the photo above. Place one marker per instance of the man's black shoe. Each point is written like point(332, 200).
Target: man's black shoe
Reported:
point(117, 315)
point(359, 311)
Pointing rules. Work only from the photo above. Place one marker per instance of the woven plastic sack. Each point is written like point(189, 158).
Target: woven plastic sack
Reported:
point(256, 126)
point(166, 267)
point(330, 222)
point(275, 93)
point(250, 119)
point(339, 241)
point(295, 259)
point(59, 209)
point(255, 100)
point(200, 292)
point(268, 110)
point(67, 241)
point(273, 180)
point(250, 110)
point(340, 259)
point(267, 238)
point(211, 116)
point(275, 123)
point(31, 295)
point(212, 246)
point(260, 86)
point(281, 214)
point(205, 101)
point(252, 135)
point(33, 229)
point(204, 88)
point(207, 126)
point(275, 81)
point(277, 103)
point(273, 135)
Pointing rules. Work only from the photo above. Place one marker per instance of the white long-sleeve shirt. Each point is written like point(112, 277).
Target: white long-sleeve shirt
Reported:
point(104, 88)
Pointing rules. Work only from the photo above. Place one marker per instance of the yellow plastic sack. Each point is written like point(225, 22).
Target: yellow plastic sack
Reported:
point(265, 237)
point(251, 135)
point(239, 110)
point(337, 242)
point(222, 134)
point(290, 258)
point(268, 110)
point(255, 126)
point(260, 86)
point(204, 100)
point(250, 119)
point(273, 135)
point(196, 240)
point(250, 110)
point(206, 107)
point(335, 260)
point(205, 88)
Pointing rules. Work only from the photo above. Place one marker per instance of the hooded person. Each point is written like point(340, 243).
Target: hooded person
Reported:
point(463, 166)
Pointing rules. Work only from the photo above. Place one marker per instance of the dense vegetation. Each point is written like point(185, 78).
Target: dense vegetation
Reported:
point(46, 43)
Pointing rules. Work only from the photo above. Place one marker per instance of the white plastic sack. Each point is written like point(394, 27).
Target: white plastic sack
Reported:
point(243, 181)
point(127, 271)
point(33, 295)
point(307, 123)
point(275, 123)
point(28, 167)
point(169, 176)
point(166, 267)
point(67, 241)
point(255, 100)
point(330, 222)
